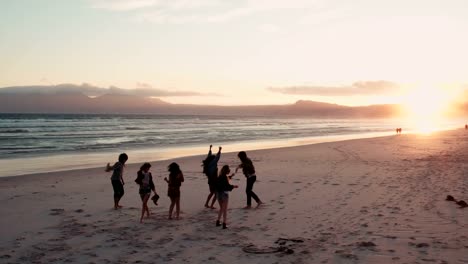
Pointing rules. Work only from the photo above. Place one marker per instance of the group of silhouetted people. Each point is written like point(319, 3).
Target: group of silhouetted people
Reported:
point(398, 130)
point(145, 181)
point(219, 184)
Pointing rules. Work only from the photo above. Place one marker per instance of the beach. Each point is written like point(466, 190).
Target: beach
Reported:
point(374, 200)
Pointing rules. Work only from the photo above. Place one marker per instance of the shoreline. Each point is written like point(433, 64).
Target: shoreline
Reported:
point(67, 162)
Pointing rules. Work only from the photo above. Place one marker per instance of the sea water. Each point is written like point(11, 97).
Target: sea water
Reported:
point(33, 143)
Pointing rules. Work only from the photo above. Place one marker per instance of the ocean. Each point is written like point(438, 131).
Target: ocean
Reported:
point(32, 143)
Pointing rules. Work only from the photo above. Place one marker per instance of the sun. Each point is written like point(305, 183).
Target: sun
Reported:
point(425, 107)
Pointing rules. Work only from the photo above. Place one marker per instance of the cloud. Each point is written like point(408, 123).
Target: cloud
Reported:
point(122, 5)
point(268, 28)
point(142, 89)
point(357, 88)
point(196, 11)
point(130, 5)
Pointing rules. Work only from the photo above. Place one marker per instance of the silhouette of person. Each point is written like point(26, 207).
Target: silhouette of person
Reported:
point(117, 179)
point(210, 168)
point(249, 171)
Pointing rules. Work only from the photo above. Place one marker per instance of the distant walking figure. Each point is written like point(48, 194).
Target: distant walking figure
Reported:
point(249, 171)
point(223, 187)
point(397, 130)
point(117, 178)
point(466, 126)
point(210, 169)
point(176, 177)
point(145, 180)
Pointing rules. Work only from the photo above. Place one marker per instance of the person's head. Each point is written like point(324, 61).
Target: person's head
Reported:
point(123, 158)
point(242, 155)
point(225, 170)
point(173, 168)
point(145, 167)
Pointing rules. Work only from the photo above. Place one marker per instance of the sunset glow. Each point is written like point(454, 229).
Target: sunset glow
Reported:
point(232, 52)
point(426, 107)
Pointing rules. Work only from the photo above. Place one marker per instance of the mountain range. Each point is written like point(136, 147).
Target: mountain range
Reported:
point(133, 104)
point(89, 99)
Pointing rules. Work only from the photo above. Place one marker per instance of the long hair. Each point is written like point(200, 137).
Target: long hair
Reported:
point(145, 166)
point(242, 156)
point(224, 170)
point(173, 168)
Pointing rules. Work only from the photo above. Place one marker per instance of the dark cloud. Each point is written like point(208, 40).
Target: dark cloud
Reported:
point(357, 88)
point(90, 90)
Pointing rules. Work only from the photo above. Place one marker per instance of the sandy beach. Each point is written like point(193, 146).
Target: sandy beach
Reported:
point(377, 200)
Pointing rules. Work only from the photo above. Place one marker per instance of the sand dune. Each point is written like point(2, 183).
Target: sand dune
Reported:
point(379, 200)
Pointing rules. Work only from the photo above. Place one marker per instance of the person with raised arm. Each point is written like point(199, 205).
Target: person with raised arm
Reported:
point(210, 169)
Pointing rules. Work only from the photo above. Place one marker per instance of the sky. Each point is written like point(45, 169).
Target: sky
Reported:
point(242, 52)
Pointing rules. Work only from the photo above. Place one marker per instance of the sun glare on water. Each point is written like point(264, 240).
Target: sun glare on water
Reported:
point(425, 107)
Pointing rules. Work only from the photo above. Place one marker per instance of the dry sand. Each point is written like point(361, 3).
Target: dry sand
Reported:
point(379, 200)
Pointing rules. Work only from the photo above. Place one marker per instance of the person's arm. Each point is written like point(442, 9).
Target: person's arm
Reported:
point(209, 152)
point(139, 178)
point(109, 167)
point(121, 168)
point(218, 155)
point(239, 167)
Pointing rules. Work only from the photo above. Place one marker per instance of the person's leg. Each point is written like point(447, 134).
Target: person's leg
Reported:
point(121, 193)
point(248, 191)
point(144, 206)
point(208, 199)
point(145, 202)
point(118, 193)
point(177, 207)
point(214, 200)
point(224, 209)
point(219, 212)
point(254, 196)
point(225, 205)
point(171, 207)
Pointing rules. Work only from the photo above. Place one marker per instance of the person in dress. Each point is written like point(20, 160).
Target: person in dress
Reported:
point(176, 177)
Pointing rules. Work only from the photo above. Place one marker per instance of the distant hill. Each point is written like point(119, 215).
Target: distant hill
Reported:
point(119, 104)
